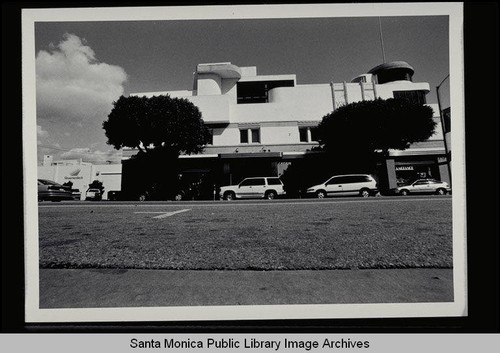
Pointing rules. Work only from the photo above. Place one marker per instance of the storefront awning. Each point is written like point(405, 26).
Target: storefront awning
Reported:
point(251, 155)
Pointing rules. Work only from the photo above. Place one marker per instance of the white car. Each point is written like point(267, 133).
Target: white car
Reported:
point(424, 186)
point(363, 185)
point(259, 187)
point(93, 194)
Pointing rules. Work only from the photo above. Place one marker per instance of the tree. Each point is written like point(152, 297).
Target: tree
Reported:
point(355, 136)
point(160, 128)
point(156, 123)
point(96, 184)
point(379, 125)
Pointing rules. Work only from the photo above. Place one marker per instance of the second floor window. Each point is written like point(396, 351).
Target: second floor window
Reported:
point(307, 134)
point(255, 135)
point(249, 135)
point(244, 136)
point(303, 134)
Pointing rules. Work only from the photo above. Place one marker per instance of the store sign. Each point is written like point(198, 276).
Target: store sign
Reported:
point(404, 167)
point(74, 174)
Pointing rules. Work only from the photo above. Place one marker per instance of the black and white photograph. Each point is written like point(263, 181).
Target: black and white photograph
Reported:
point(250, 162)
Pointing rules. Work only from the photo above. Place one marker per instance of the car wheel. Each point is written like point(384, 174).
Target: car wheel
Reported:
point(441, 191)
point(142, 198)
point(270, 195)
point(229, 196)
point(321, 194)
point(404, 192)
point(364, 193)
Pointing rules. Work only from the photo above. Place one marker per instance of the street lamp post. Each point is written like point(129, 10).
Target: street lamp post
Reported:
point(446, 149)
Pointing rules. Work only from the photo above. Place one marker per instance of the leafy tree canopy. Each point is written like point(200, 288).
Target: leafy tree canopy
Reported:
point(96, 184)
point(353, 137)
point(366, 127)
point(156, 123)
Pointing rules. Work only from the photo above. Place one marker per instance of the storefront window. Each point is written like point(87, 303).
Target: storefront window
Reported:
point(408, 173)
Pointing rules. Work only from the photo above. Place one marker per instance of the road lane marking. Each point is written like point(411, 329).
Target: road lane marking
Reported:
point(164, 214)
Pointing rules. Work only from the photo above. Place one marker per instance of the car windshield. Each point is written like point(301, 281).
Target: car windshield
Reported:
point(47, 182)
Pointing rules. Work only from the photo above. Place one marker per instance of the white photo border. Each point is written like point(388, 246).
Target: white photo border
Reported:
point(457, 308)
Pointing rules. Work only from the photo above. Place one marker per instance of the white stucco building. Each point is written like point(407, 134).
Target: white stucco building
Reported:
point(81, 174)
point(261, 123)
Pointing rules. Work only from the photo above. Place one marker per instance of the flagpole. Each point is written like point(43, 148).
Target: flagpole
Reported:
point(381, 38)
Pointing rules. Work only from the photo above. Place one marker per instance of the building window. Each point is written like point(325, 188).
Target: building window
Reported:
point(255, 135)
point(244, 136)
point(303, 134)
point(413, 96)
point(314, 133)
point(257, 91)
point(249, 135)
point(307, 134)
point(402, 74)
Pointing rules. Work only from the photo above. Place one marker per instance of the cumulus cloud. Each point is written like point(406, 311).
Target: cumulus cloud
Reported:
point(72, 85)
point(40, 132)
point(96, 157)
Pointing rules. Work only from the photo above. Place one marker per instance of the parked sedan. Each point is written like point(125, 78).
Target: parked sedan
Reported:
point(424, 186)
point(52, 191)
point(77, 195)
point(93, 194)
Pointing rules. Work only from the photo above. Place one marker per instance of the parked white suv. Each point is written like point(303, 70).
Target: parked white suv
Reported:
point(260, 187)
point(363, 185)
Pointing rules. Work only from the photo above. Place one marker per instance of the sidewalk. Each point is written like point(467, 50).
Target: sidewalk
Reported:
point(94, 288)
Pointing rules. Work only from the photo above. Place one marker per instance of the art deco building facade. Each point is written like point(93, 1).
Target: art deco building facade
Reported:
point(262, 123)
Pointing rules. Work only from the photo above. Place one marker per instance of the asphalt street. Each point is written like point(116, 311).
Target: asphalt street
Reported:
point(258, 235)
point(350, 250)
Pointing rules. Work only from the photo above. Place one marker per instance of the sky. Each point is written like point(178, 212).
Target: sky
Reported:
point(83, 67)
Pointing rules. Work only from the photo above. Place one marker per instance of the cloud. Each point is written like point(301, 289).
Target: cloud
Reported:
point(96, 157)
point(72, 85)
point(41, 133)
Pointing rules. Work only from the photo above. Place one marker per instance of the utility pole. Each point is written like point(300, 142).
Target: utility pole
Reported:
point(446, 149)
